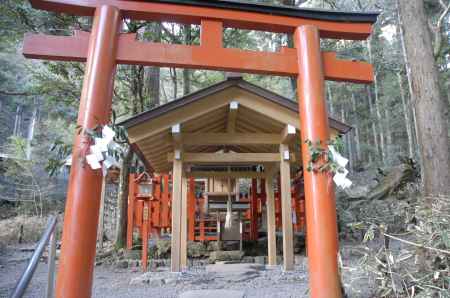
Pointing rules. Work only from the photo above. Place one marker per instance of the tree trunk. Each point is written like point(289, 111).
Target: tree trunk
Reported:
point(377, 106)
point(356, 125)
point(432, 126)
point(373, 125)
point(122, 201)
point(137, 85)
point(18, 121)
point(330, 102)
point(187, 72)
point(406, 115)
point(153, 85)
point(290, 44)
point(30, 134)
point(379, 120)
point(388, 133)
point(173, 76)
point(347, 142)
point(153, 73)
point(410, 88)
point(368, 153)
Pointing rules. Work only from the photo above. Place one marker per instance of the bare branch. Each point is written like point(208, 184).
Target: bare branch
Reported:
point(4, 92)
point(438, 29)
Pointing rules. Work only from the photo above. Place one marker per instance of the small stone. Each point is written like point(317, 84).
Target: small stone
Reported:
point(196, 249)
point(142, 279)
point(260, 260)
point(232, 255)
point(212, 246)
point(170, 281)
point(123, 264)
point(132, 254)
point(234, 268)
point(163, 247)
point(156, 282)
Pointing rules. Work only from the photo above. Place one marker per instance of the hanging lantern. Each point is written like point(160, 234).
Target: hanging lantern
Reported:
point(145, 188)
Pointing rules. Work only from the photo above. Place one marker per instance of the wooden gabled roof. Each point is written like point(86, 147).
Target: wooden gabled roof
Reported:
point(207, 111)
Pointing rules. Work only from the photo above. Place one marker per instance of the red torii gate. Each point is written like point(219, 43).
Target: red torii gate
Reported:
point(105, 47)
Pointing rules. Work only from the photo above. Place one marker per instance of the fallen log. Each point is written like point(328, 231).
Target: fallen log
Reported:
point(389, 182)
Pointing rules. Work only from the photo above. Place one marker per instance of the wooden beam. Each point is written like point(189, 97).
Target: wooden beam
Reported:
point(288, 134)
point(217, 174)
point(183, 114)
point(286, 210)
point(230, 138)
point(271, 224)
point(232, 115)
point(176, 215)
point(132, 51)
point(211, 34)
point(215, 158)
point(183, 244)
point(330, 27)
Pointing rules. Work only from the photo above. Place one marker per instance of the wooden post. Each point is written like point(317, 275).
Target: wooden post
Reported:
point(145, 230)
point(176, 215)
point(322, 240)
point(130, 217)
point(191, 209)
point(102, 213)
point(286, 209)
point(254, 211)
point(76, 263)
point(271, 224)
point(219, 243)
point(184, 211)
point(165, 216)
point(241, 233)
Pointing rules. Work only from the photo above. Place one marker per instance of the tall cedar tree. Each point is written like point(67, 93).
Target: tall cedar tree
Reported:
point(429, 107)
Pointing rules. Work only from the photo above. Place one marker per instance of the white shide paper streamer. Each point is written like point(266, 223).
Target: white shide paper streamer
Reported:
point(340, 177)
point(99, 156)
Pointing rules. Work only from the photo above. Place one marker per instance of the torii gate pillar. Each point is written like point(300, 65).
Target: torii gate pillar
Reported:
point(322, 240)
point(75, 272)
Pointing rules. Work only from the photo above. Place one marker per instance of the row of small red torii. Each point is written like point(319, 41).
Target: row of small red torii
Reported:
point(105, 47)
point(149, 213)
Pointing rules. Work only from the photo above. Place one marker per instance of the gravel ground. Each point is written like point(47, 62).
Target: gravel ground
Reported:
point(111, 281)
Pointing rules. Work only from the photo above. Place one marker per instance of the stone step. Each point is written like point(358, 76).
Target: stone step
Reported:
point(212, 294)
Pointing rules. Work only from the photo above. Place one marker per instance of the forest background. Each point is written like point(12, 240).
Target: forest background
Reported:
point(39, 99)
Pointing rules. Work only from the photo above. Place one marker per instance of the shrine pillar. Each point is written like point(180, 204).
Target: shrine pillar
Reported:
point(177, 206)
point(322, 240)
point(76, 263)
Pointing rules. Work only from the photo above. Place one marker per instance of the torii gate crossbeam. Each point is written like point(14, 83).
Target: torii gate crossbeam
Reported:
point(105, 47)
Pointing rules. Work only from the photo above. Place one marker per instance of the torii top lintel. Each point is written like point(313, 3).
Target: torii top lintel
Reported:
point(244, 15)
point(213, 16)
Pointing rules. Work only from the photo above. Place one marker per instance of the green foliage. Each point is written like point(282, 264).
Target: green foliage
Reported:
point(321, 158)
point(61, 150)
point(55, 163)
